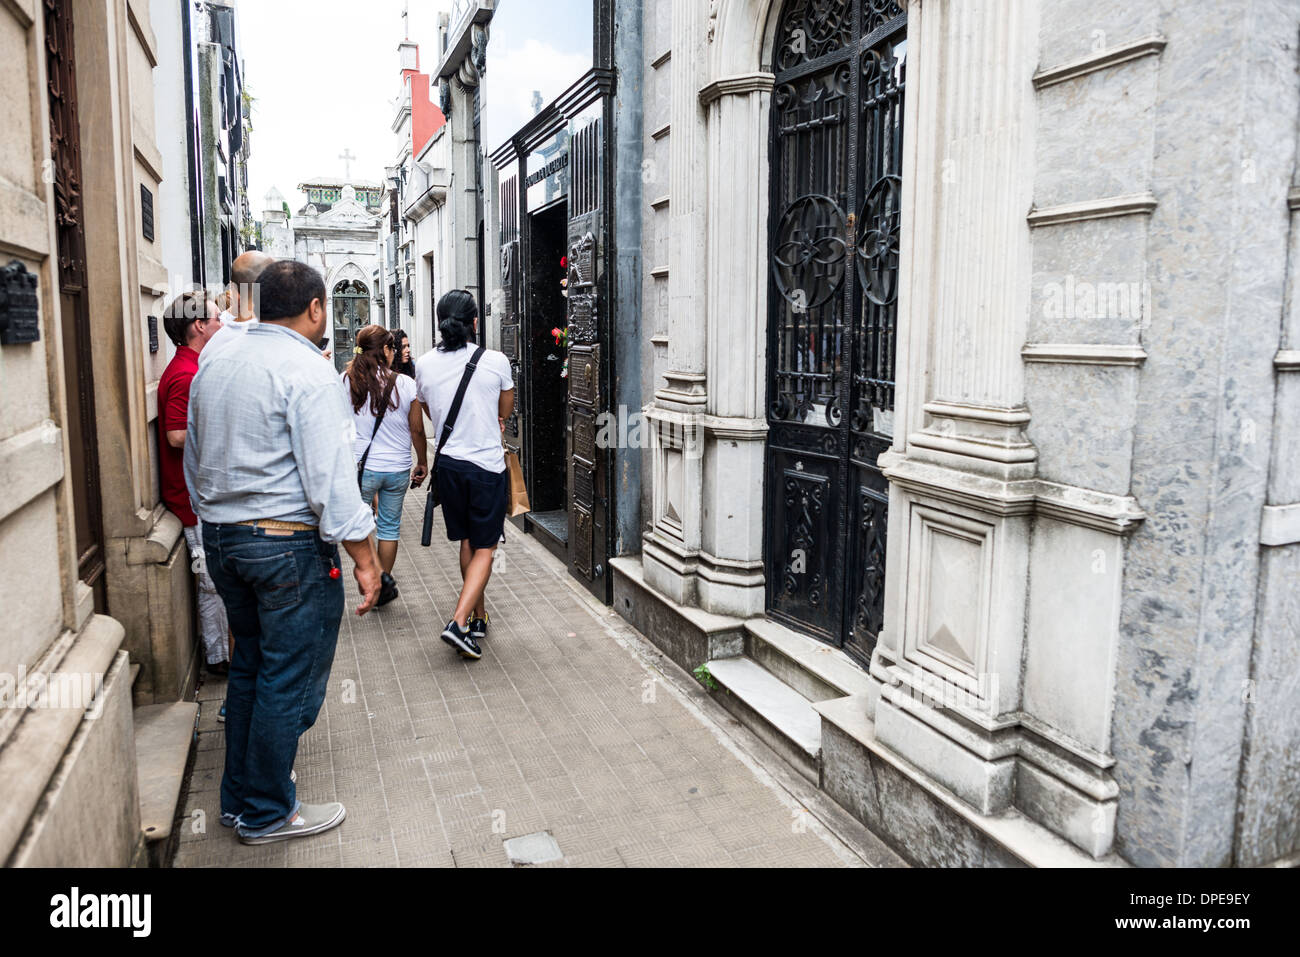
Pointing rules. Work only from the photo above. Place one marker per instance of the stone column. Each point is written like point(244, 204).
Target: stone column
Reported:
point(671, 547)
point(948, 662)
point(730, 571)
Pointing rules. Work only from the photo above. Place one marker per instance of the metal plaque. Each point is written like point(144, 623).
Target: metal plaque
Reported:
point(582, 539)
point(146, 212)
point(584, 375)
point(19, 311)
point(584, 436)
point(582, 317)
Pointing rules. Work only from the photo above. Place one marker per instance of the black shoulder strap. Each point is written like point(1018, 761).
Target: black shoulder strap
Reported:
point(388, 395)
point(454, 411)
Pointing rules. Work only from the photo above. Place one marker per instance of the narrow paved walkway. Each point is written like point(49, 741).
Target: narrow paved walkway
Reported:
point(560, 728)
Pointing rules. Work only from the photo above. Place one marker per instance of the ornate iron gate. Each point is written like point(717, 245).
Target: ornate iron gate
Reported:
point(837, 133)
point(351, 315)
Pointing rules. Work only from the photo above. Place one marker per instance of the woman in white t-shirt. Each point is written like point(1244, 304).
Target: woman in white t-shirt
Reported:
point(386, 450)
point(472, 481)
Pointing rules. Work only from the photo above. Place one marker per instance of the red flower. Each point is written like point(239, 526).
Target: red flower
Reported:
point(564, 262)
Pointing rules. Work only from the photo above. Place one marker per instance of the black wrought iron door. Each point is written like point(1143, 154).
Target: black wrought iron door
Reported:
point(836, 159)
point(511, 308)
point(587, 480)
point(351, 315)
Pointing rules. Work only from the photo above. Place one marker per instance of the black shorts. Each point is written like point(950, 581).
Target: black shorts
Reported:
point(473, 502)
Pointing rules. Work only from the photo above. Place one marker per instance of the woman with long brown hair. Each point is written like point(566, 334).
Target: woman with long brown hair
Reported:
point(388, 421)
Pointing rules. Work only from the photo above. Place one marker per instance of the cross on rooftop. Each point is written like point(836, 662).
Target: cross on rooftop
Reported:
point(347, 158)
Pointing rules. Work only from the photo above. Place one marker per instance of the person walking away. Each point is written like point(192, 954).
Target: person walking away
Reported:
point(470, 467)
point(268, 460)
point(388, 420)
point(190, 321)
point(242, 296)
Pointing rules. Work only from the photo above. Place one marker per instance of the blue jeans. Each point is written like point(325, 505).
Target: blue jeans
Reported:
point(392, 488)
point(284, 612)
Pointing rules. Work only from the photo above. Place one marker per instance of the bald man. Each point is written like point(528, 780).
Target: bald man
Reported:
point(244, 272)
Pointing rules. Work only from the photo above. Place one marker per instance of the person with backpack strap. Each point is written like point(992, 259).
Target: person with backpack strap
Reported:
point(468, 392)
point(388, 421)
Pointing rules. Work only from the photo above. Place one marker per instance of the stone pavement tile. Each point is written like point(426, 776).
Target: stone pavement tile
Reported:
point(366, 850)
point(606, 857)
point(217, 850)
point(206, 758)
point(645, 852)
point(207, 779)
point(201, 815)
point(319, 850)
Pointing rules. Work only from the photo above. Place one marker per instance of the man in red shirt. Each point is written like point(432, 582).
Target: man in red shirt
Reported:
point(190, 321)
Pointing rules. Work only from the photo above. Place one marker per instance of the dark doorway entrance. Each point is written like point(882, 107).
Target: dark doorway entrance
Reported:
point(74, 307)
point(837, 133)
point(546, 413)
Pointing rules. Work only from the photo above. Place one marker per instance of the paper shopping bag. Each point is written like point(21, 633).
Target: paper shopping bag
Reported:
point(518, 504)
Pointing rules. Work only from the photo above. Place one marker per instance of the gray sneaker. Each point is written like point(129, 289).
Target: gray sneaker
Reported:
point(311, 819)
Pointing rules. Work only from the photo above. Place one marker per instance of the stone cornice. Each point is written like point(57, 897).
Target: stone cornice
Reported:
point(734, 85)
point(1103, 511)
point(1083, 353)
point(1287, 360)
point(1134, 204)
point(1100, 60)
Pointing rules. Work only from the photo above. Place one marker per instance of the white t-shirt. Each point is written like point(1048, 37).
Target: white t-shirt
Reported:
point(231, 329)
point(476, 437)
point(391, 451)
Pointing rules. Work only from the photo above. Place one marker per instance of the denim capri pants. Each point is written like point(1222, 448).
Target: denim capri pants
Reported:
point(392, 488)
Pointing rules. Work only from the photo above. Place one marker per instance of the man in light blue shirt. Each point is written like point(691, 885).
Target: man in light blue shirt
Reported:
point(268, 461)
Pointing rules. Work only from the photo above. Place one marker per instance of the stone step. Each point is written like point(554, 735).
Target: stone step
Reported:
point(816, 670)
point(164, 740)
point(687, 635)
point(881, 789)
point(780, 716)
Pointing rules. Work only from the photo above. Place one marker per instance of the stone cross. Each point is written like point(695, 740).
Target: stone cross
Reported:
point(347, 158)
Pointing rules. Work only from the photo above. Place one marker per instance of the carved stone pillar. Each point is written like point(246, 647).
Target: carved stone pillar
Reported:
point(948, 661)
point(730, 571)
point(671, 548)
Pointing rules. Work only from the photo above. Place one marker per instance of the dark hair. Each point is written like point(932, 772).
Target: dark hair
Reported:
point(288, 288)
point(456, 313)
point(182, 312)
point(407, 367)
point(368, 373)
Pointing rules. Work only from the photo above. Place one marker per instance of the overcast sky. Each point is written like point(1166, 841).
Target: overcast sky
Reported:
point(325, 77)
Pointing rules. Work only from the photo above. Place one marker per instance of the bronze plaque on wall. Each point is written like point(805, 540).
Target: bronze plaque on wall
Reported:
point(584, 437)
point(584, 492)
point(584, 375)
point(582, 317)
point(582, 539)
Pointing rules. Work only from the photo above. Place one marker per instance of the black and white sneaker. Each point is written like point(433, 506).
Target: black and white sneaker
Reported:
point(478, 629)
point(387, 590)
point(462, 640)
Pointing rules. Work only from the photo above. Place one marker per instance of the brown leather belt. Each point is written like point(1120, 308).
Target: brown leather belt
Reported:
point(272, 523)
